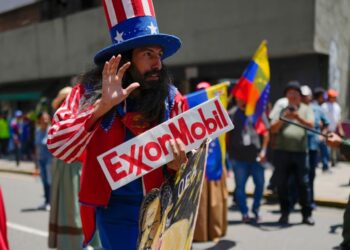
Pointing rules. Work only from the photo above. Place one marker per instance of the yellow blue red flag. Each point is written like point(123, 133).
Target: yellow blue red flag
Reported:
point(254, 86)
point(217, 148)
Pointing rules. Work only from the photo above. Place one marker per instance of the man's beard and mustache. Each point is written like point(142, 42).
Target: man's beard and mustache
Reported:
point(150, 96)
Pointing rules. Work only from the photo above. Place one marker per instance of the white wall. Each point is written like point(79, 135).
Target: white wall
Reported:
point(332, 37)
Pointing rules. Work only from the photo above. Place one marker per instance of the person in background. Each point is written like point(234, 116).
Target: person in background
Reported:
point(277, 108)
point(248, 143)
point(275, 111)
point(335, 141)
point(211, 221)
point(16, 134)
point(333, 112)
point(290, 155)
point(44, 157)
point(320, 124)
point(65, 227)
point(203, 85)
point(26, 138)
point(4, 134)
point(32, 116)
point(318, 99)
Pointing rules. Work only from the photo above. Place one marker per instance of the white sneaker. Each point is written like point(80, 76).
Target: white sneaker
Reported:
point(89, 248)
point(45, 207)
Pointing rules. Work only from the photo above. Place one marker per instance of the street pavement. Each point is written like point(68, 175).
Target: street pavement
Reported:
point(27, 226)
point(332, 188)
point(269, 235)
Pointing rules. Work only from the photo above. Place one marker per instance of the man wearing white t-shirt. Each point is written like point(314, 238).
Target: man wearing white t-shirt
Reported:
point(333, 112)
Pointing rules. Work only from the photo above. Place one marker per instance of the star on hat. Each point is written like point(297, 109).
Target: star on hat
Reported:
point(119, 37)
point(153, 28)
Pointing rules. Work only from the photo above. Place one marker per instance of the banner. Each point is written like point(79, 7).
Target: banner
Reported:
point(168, 215)
point(150, 150)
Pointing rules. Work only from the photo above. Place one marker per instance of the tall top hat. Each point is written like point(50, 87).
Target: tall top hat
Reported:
point(132, 24)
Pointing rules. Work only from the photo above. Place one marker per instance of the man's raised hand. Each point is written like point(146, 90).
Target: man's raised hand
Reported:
point(112, 89)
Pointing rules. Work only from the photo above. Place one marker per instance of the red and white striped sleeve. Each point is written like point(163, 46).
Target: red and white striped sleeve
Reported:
point(180, 105)
point(67, 135)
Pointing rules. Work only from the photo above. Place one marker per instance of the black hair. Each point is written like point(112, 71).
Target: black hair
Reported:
point(92, 81)
point(318, 92)
point(292, 85)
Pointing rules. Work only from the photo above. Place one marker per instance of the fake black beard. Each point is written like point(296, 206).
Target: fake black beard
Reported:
point(150, 96)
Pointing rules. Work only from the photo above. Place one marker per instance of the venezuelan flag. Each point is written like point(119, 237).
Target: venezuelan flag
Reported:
point(254, 85)
point(217, 148)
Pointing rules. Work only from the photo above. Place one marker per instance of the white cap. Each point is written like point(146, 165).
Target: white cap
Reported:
point(305, 90)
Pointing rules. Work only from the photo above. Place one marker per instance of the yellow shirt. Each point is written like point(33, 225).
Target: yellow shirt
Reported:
point(4, 129)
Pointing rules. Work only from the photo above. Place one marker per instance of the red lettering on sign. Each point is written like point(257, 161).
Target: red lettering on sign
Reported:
point(209, 123)
point(217, 119)
point(162, 141)
point(112, 168)
point(194, 130)
point(156, 147)
point(183, 133)
point(137, 163)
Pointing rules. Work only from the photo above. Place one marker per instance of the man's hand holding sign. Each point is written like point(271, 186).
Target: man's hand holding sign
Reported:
point(179, 152)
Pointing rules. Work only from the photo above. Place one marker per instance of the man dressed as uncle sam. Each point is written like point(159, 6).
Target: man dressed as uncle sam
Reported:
point(127, 93)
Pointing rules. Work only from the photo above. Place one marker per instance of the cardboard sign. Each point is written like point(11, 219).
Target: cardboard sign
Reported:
point(168, 215)
point(150, 150)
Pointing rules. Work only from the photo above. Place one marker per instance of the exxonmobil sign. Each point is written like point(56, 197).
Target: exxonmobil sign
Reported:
point(150, 150)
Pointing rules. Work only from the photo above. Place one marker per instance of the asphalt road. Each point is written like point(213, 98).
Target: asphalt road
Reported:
point(27, 226)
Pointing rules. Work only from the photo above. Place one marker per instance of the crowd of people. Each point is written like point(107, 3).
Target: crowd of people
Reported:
point(295, 154)
point(17, 135)
point(304, 130)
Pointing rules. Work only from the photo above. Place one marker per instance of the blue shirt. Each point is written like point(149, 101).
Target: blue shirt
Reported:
point(41, 144)
point(319, 118)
